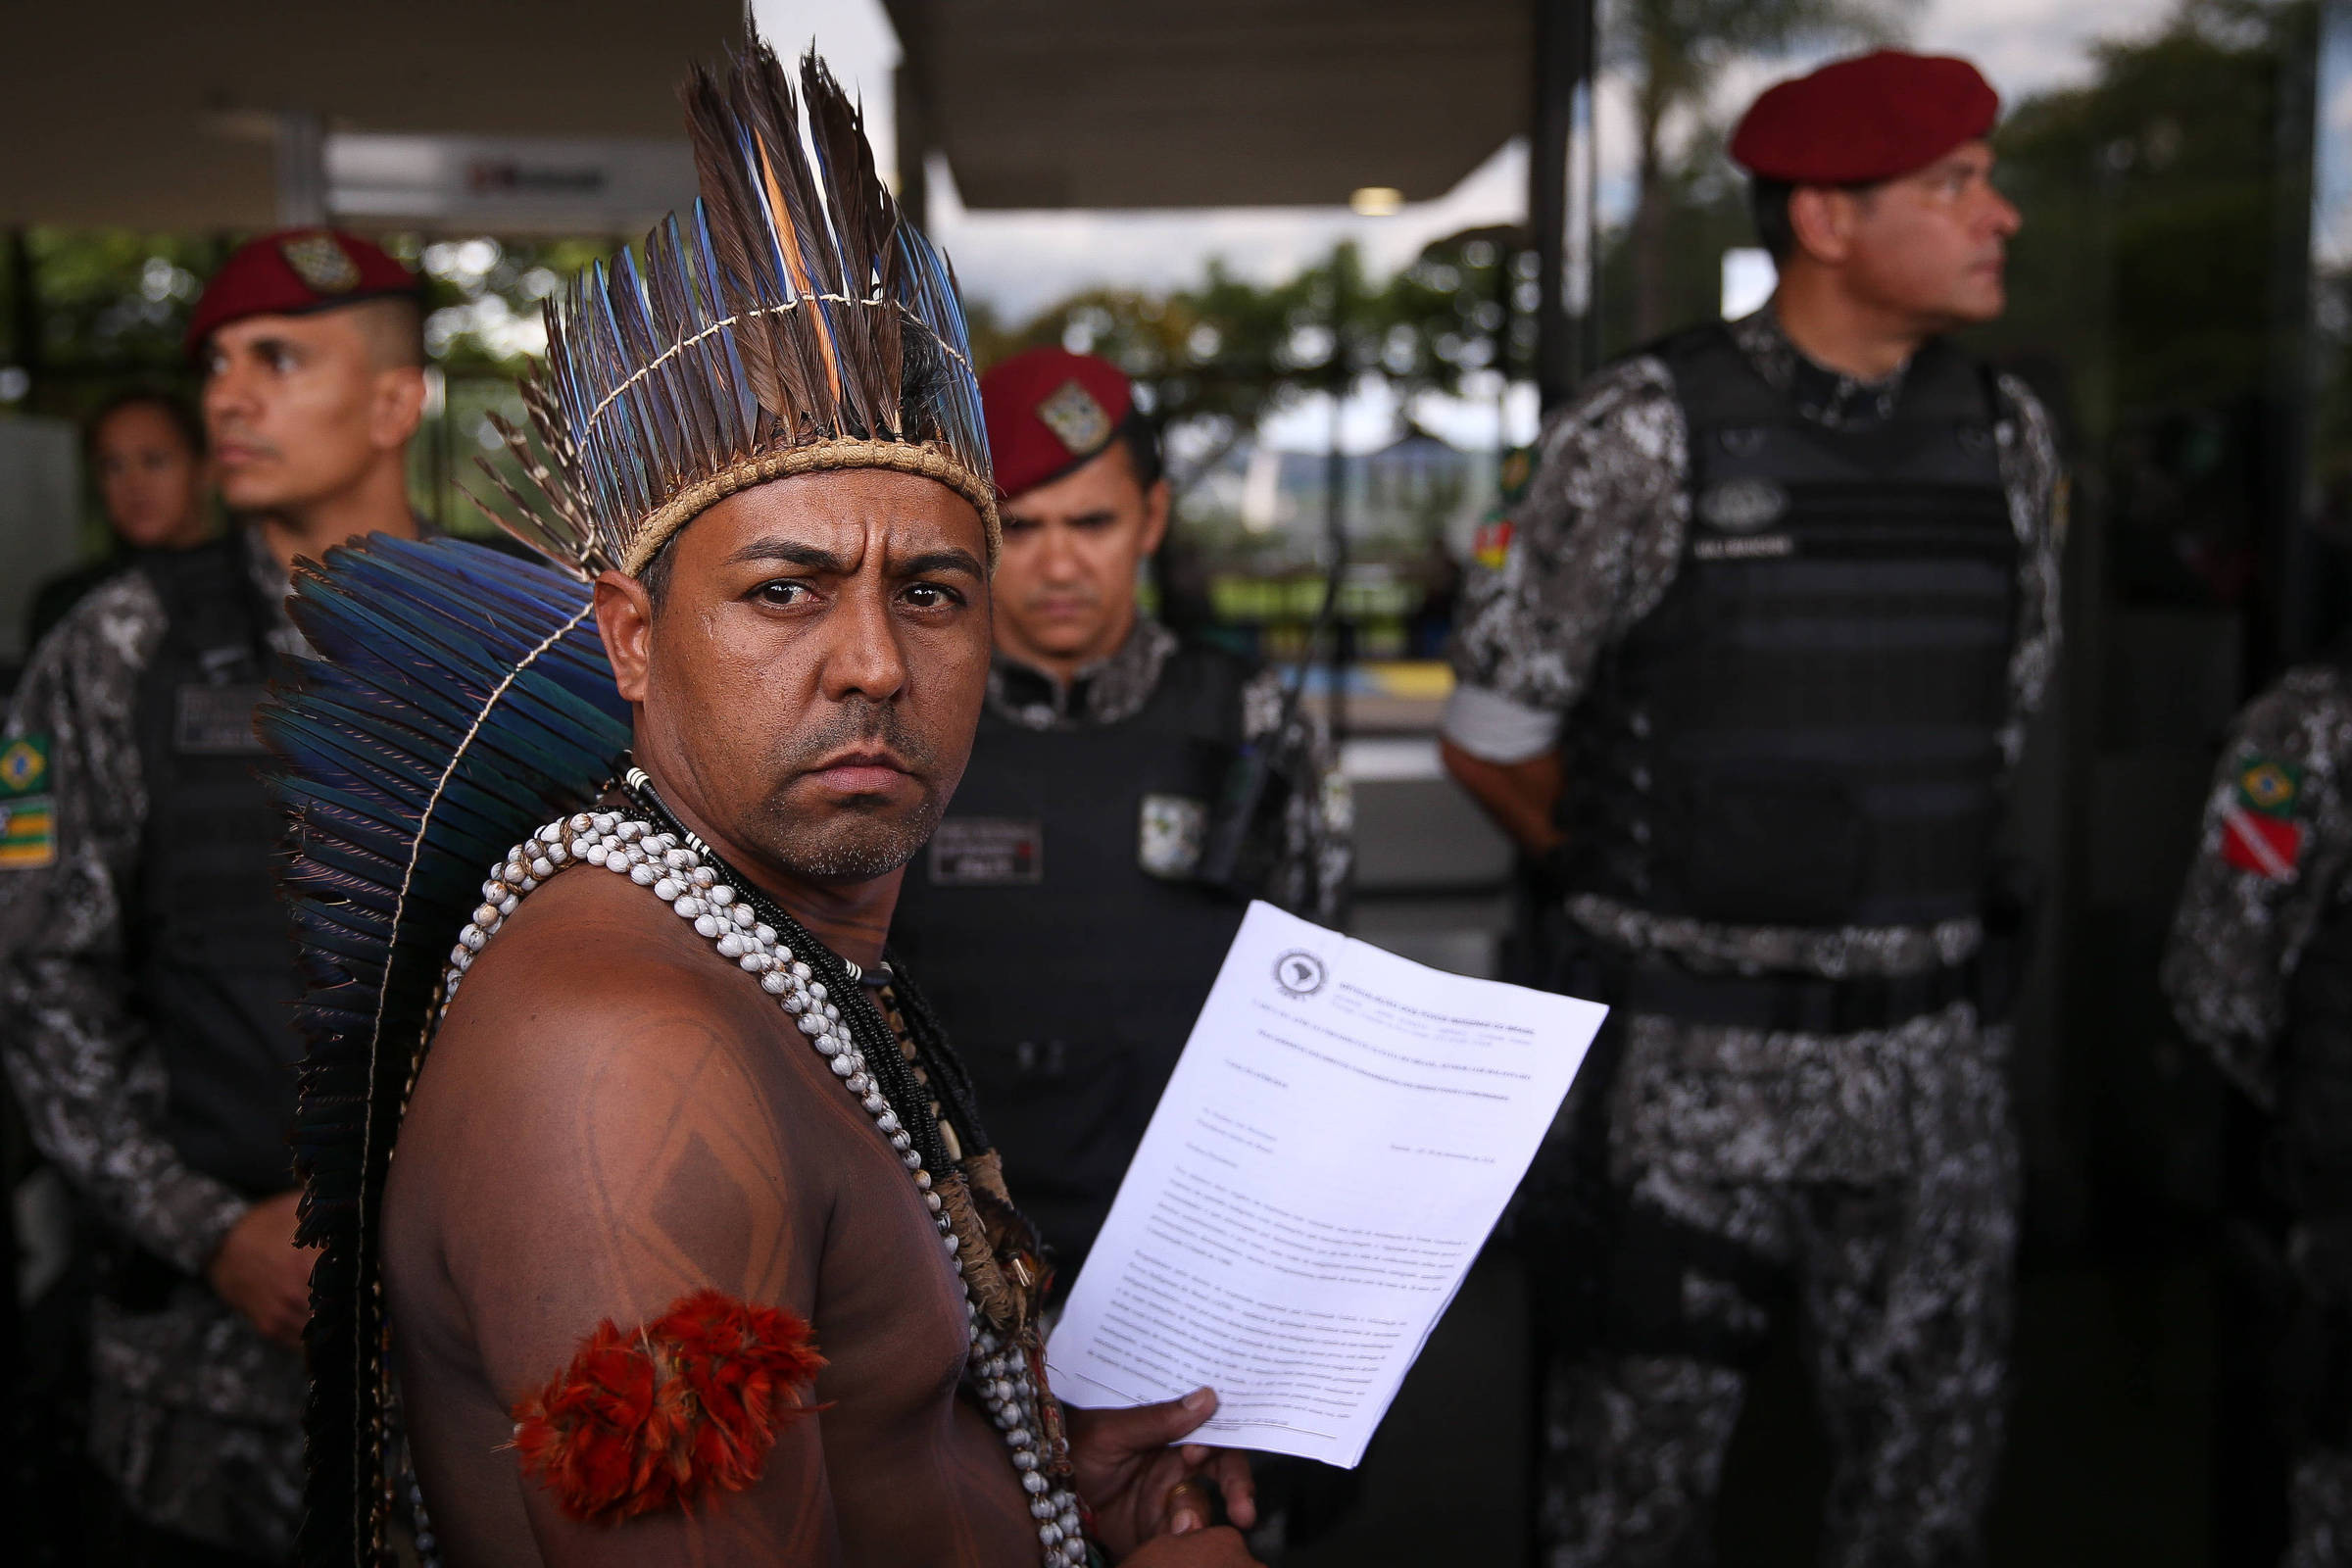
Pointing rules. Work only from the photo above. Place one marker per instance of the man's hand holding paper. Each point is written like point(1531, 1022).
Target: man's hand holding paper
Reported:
point(1341, 1134)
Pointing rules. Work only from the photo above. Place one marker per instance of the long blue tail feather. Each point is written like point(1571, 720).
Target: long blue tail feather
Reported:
point(460, 699)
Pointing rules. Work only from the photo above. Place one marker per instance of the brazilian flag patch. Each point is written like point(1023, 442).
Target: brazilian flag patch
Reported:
point(25, 766)
point(27, 812)
point(2259, 830)
point(2270, 788)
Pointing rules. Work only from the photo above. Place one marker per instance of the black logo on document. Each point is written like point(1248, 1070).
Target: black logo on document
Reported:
point(1300, 973)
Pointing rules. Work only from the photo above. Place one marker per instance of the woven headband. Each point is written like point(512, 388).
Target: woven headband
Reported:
point(699, 498)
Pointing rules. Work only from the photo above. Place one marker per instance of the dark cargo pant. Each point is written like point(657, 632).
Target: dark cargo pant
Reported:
point(1870, 1182)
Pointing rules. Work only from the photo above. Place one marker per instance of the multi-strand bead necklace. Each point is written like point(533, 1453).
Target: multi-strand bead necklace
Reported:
point(746, 927)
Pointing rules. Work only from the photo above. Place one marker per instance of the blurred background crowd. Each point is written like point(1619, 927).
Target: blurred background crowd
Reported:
point(1348, 252)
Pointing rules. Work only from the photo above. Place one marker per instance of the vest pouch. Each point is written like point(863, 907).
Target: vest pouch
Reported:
point(1063, 1115)
point(1773, 844)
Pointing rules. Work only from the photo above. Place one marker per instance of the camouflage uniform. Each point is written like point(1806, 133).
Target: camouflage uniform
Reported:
point(1875, 1171)
point(194, 1416)
point(2274, 869)
point(1317, 850)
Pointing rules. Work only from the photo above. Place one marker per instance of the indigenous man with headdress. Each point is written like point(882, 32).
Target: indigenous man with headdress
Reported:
point(149, 972)
point(695, 1250)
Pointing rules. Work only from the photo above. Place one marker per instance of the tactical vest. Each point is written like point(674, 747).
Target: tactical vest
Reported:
point(1805, 730)
point(212, 951)
point(1054, 925)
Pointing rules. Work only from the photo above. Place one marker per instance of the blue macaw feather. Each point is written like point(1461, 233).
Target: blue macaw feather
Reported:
point(462, 697)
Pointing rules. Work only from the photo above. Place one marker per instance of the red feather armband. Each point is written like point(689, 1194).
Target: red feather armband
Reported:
point(662, 1416)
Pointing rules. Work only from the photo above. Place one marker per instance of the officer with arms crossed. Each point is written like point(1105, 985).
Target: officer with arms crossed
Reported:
point(149, 966)
point(1129, 791)
point(1747, 685)
point(2259, 971)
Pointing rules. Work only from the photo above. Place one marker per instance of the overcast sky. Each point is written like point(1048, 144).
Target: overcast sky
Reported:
point(1020, 262)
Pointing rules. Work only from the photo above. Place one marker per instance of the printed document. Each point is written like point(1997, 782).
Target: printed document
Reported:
point(1340, 1134)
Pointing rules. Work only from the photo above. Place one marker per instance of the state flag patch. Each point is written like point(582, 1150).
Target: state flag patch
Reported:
point(2264, 844)
point(28, 833)
point(1491, 546)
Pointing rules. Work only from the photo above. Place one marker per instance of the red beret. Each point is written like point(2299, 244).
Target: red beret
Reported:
point(1870, 118)
point(295, 270)
point(1049, 411)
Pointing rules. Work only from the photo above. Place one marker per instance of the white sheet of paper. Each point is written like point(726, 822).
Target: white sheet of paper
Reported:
point(1340, 1134)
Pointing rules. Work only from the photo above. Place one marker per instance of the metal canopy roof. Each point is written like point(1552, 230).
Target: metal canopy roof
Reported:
point(1050, 103)
point(156, 114)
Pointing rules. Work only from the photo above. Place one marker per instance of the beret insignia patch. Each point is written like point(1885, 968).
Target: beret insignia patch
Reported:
point(1076, 420)
point(320, 264)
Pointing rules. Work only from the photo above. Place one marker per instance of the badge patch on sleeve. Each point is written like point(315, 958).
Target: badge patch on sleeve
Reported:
point(1170, 835)
point(2259, 830)
point(28, 810)
point(1491, 546)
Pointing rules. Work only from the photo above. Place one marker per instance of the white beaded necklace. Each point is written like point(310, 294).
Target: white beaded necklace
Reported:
point(998, 1371)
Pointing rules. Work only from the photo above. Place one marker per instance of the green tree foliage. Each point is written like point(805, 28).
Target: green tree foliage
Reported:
point(1213, 361)
point(2160, 273)
point(2151, 197)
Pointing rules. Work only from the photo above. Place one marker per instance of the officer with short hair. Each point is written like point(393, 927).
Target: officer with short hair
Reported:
point(1747, 686)
point(1128, 792)
point(2259, 971)
point(149, 970)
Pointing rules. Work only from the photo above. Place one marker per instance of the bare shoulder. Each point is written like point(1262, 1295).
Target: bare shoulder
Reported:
point(606, 1127)
point(588, 976)
point(606, 1121)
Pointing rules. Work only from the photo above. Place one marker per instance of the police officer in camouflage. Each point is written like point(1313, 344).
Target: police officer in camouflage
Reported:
point(1128, 792)
point(149, 970)
point(2259, 971)
point(1747, 685)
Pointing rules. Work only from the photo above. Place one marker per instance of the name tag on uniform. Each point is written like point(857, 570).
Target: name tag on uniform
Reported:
point(1771, 546)
point(216, 721)
point(986, 851)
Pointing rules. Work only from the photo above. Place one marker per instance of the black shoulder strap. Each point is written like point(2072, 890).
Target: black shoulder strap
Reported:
point(1714, 381)
point(1948, 385)
point(1203, 684)
point(209, 598)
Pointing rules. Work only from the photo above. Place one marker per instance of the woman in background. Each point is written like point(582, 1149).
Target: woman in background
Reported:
point(146, 453)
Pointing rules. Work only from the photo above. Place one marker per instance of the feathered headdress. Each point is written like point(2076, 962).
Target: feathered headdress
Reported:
point(793, 322)
point(462, 697)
